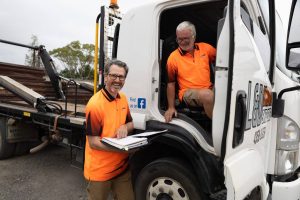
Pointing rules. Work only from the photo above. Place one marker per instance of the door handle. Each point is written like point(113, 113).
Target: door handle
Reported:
point(239, 118)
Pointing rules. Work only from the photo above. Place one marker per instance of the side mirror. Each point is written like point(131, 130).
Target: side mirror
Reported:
point(294, 59)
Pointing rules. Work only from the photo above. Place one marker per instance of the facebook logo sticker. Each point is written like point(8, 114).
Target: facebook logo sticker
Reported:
point(141, 103)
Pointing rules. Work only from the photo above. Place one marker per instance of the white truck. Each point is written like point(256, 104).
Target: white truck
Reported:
point(250, 149)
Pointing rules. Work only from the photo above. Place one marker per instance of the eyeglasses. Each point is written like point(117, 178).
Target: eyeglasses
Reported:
point(186, 39)
point(115, 76)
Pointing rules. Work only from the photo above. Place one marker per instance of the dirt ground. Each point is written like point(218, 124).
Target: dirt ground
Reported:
point(46, 175)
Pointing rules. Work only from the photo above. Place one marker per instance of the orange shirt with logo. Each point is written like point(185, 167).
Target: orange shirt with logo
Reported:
point(104, 115)
point(191, 71)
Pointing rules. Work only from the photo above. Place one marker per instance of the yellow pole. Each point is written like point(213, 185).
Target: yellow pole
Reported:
point(96, 57)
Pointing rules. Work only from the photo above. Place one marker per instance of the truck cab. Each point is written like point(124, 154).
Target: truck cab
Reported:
point(250, 148)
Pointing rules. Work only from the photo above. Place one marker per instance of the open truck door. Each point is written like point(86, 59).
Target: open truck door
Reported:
point(243, 96)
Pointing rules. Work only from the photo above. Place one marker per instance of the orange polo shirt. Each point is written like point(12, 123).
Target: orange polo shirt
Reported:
point(104, 115)
point(191, 71)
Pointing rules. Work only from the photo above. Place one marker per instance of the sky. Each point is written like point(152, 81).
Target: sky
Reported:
point(56, 23)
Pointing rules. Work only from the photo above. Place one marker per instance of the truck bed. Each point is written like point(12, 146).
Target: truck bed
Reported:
point(36, 79)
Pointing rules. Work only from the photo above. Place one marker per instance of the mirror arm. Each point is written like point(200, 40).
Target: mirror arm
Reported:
point(287, 90)
point(278, 102)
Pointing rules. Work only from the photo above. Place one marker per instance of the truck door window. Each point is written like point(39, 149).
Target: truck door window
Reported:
point(264, 7)
point(247, 19)
point(261, 38)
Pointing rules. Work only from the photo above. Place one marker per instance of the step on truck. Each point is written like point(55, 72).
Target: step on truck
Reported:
point(250, 148)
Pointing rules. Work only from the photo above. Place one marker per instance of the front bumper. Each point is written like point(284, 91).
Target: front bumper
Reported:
point(286, 190)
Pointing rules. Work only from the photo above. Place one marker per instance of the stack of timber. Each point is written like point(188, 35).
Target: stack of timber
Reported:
point(37, 80)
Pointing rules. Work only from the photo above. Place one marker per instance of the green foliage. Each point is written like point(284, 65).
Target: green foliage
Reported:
point(77, 59)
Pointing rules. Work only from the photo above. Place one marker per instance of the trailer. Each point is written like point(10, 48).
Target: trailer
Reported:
point(39, 107)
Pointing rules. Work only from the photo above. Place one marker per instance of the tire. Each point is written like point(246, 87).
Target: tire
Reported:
point(22, 148)
point(6, 149)
point(167, 179)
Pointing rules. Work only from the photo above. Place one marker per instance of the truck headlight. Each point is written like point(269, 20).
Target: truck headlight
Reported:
point(287, 134)
point(287, 147)
point(286, 162)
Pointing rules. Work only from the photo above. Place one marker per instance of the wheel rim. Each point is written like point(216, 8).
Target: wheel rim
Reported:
point(164, 188)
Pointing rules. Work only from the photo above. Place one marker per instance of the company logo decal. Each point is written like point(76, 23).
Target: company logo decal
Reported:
point(261, 110)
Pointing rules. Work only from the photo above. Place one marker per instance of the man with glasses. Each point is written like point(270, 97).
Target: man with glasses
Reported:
point(108, 115)
point(189, 66)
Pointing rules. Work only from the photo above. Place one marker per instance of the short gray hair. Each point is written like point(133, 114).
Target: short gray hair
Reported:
point(186, 25)
point(119, 63)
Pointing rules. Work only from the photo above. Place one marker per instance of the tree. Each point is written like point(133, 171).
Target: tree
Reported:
point(77, 59)
point(32, 59)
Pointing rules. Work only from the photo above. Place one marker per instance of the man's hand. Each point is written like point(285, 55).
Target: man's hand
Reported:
point(169, 114)
point(122, 132)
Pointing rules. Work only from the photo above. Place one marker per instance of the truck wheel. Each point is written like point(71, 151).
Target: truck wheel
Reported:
point(167, 179)
point(22, 148)
point(6, 149)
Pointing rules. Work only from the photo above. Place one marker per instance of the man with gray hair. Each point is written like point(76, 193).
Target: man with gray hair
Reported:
point(189, 66)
